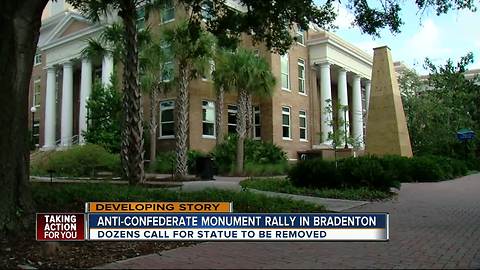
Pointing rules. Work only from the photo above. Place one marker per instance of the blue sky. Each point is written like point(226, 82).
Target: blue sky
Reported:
point(441, 37)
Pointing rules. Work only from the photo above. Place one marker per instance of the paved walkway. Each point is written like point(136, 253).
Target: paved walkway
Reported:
point(232, 183)
point(220, 182)
point(432, 225)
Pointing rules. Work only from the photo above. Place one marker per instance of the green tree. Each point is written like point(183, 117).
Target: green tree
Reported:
point(192, 49)
point(221, 83)
point(437, 107)
point(247, 74)
point(104, 117)
point(156, 79)
point(339, 136)
point(20, 23)
point(132, 132)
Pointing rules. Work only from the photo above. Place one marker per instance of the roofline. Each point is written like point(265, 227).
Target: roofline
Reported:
point(340, 43)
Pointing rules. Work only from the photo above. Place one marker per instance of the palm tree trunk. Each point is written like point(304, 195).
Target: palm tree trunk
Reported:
point(20, 27)
point(132, 133)
point(153, 124)
point(241, 129)
point(219, 118)
point(248, 116)
point(181, 134)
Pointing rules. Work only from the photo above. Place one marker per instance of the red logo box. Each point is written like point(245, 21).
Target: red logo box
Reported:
point(60, 227)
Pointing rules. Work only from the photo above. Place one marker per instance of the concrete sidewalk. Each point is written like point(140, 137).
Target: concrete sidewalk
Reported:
point(233, 183)
point(336, 205)
point(220, 182)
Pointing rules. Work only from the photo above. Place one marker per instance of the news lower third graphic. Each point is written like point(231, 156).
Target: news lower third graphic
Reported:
point(205, 221)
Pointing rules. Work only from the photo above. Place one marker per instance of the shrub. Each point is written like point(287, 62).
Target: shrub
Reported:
point(314, 173)
point(77, 161)
point(72, 197)
point(105, 116)
point(260, 157)
point(426, 169)
point(459, 167)
point(165, 162)
point(224, 154)
point(192, 160)
point(435, 168)
point(365, 171)
point(397, 168)
point(263, 152)
point(286, 186)
point(259, 169)
point(374, 172)
point(473, 164)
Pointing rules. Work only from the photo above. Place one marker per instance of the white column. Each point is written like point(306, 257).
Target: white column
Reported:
point(367, 94)
point(67, 105)
point(50, 110)
point(343, 101)
point(85, 90)
point(107, 69)
point(357, 114)
point(326, 99)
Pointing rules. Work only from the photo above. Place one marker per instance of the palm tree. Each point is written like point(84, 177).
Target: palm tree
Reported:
point(249, 75)
point(109, 42)
point(154, 80)
point(222, 84)
point(192, 49)
point(132, 134)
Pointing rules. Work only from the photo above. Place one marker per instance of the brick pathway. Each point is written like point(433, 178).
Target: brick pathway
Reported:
point(432, 225)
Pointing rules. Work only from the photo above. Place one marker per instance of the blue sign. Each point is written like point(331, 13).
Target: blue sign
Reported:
point(465, 134)
point(236, 220)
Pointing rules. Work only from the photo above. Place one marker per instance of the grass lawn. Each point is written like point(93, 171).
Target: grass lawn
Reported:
point(285, 186)
point(51, 197)
point(71, 197)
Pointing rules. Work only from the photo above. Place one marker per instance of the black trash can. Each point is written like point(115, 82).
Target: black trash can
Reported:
point(204, 167)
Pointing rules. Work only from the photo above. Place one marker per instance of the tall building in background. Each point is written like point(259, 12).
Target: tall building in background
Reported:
point(320, 70)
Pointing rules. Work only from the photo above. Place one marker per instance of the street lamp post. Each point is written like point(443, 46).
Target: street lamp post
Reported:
point(33, 109)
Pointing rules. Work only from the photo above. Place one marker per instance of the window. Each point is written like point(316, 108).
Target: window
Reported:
point(256, 123)
point(301, 76)
point(300, 35)
point(140, 21)
point(168, 66)
point(36, 93)
point(286, 123)
point(285, 71)
point(167, 71)
point(167, 12)
point(303, 125)
point(167, 124)
point(209, 70)
point(208, 118)
point(232, 119)
point(37, 60)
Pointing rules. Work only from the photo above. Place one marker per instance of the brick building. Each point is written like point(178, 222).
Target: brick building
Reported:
point(318, 68)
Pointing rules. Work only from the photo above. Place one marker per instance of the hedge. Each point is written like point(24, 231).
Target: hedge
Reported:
point(261, 158)
point(78, 160)
point(375, 172)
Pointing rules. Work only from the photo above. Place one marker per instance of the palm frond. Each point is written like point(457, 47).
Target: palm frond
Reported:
point(244, 70)
point(94, 10)
point(94, 49)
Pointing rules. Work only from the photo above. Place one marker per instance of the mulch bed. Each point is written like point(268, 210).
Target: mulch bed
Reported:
point(25, 250)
